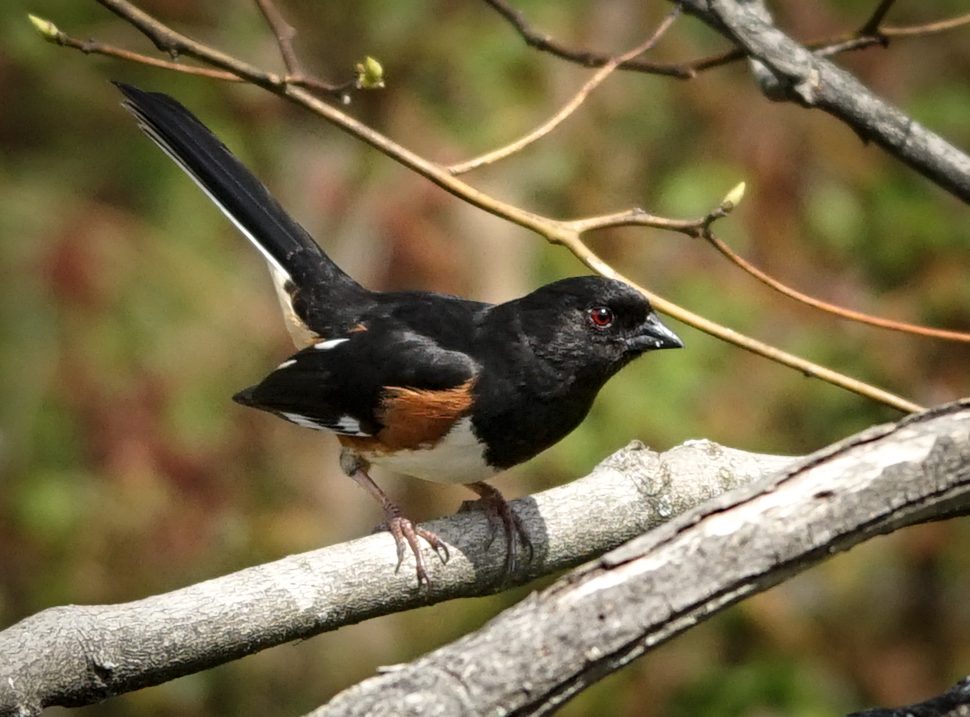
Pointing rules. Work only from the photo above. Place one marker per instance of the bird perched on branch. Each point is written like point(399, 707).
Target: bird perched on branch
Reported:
point(428, 385)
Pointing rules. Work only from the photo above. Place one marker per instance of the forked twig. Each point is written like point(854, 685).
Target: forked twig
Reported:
point(587, 58)
point(285, 33)
point(871, 26)
point(871, 33)
point(571, 106)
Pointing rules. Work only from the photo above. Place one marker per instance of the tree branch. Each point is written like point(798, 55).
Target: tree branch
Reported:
point(786, 70)
point(537, 655)
point(75, 655)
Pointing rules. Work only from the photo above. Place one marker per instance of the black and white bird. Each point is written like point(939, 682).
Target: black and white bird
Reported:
point(428, 385)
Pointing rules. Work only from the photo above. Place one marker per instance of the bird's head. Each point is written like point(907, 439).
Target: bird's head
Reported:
point(591, 326)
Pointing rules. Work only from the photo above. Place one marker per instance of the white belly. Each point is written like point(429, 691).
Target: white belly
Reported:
point(456, 458)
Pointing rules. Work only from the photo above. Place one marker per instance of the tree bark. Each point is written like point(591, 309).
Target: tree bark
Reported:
point(535, 656)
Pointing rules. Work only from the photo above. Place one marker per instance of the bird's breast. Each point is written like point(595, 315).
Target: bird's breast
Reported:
point(456, 457)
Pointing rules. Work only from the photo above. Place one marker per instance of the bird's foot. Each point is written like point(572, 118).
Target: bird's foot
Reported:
point(406, 534)
point(500, 513)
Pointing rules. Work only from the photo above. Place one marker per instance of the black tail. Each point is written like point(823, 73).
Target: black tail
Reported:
point(293, 255)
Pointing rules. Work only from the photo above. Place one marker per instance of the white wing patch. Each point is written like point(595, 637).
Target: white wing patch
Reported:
point(302, 421)
point(328, 344)
point(347, 425)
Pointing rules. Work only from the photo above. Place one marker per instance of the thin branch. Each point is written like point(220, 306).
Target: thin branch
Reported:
point(93, 47)
point(881, 35)
point(555, 231)
point(834, 309)
point(868, 35)
point(587, 58)
point(871, 26)
point(929, 28)
point(174, 43)
point(285, 33)
point(571, 106)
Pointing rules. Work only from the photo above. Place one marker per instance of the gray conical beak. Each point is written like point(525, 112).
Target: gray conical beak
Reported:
point(654, 335)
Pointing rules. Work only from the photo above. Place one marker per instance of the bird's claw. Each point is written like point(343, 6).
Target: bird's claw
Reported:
point(406, 534)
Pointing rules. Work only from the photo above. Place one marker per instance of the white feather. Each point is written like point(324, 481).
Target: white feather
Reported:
point(302, 421)
point(328, 344)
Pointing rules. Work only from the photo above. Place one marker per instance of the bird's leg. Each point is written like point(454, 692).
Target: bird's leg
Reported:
point(498, 511)
point(405, 532)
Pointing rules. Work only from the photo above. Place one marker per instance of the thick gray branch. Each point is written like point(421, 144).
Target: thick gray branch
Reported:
point(538, 654)
point(75, 654)
point(787, 70)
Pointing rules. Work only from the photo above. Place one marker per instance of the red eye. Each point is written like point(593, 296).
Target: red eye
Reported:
point(601, 317)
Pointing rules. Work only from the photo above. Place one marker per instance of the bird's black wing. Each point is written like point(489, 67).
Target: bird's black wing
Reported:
point(361, 383)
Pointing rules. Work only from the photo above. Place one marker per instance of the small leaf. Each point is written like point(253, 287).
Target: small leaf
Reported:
point(46, 28)
point(733, 198)
point(370, 74)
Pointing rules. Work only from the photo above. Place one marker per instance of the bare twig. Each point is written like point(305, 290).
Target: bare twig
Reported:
point(545, 128)
point(868, 35)
point(285, 33)
point(929, 28)
point(295, 74)
point(839, 311)
point(175, 44)
point(587, 58)
point(54, 34)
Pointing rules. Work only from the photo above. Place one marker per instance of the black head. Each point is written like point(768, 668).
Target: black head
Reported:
point(590, 326)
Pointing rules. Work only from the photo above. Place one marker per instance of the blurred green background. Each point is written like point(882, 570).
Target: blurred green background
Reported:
point(131, 311)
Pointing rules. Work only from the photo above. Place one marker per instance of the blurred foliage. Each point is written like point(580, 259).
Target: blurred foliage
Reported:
point(130, 312)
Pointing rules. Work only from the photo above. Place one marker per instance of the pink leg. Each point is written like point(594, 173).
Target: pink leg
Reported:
point(404, 531)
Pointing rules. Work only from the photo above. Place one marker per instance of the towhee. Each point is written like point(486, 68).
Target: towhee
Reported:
point(428, 385)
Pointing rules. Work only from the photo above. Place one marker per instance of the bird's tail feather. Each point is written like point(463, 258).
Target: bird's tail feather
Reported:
point(294, 257)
